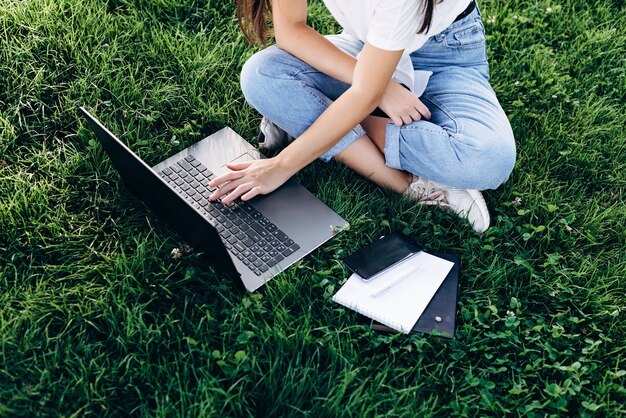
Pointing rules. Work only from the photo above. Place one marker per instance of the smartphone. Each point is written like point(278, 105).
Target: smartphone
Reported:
point(378, 256)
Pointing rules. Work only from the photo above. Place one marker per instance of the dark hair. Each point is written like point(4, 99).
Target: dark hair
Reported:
point(252, 16)
point(429, 7)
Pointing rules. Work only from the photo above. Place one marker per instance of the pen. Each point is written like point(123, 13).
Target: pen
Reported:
point(384, 288)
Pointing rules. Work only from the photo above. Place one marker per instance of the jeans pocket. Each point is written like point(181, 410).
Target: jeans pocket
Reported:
point(466, 36)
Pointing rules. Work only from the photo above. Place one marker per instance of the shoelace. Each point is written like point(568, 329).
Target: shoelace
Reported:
point(427, 194)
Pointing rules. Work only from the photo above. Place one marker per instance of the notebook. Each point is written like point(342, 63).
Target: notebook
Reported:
point(397, 297)
point(439, 317)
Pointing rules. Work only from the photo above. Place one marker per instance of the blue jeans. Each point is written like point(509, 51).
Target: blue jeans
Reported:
point(468, 141)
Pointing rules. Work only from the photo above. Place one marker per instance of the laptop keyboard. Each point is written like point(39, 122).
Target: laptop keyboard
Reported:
point(246, 233)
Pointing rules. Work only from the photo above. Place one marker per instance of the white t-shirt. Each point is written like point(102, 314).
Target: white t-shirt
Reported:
point(393, 24)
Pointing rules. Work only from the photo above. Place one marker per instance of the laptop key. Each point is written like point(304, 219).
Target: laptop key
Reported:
point(275, 260)
point(241, 257)
point(281, 236)
point(273, 242)
point(279, 257)
point(253, 235)
point(260, 230)
point(185, 165)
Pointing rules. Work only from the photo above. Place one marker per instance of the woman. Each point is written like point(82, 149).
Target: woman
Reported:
point(355, 98)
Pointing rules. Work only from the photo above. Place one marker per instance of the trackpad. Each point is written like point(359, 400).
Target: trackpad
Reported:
point(241, 159)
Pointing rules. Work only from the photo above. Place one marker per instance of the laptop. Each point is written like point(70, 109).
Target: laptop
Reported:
point(250, 241)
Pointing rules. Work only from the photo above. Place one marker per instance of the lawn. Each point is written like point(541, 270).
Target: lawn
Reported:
point(98, 319)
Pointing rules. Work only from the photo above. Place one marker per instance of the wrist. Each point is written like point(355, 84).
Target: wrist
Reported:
point(286, 163)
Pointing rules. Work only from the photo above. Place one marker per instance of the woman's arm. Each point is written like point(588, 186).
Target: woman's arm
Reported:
point(293, 35)
point(371, 77)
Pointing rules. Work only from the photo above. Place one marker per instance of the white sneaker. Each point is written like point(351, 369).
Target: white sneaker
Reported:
point(467, 203)
point(271, 137)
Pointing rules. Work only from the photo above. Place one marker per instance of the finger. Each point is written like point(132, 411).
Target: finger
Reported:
point(255, 191)
point(217, 194)
point(415, 115)
point(239, 166)
point(423, 110)
point(237, 192)
point(224, 178)
point(406, 119)
point(229, 187)
point(397, 120)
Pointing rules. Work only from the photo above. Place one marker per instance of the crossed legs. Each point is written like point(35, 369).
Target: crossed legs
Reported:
point(365, 156)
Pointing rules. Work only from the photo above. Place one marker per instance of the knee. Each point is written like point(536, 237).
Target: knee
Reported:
point(492, 163)
point(261, 72)
point(250, 77)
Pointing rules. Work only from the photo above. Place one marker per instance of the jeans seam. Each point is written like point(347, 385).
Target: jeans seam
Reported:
point(308, 89)
point(458, 123)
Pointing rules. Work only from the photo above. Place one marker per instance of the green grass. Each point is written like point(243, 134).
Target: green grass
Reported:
point(96, 318)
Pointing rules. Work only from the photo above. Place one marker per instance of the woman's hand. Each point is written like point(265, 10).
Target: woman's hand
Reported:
point(402, 106)
point(249, 179)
